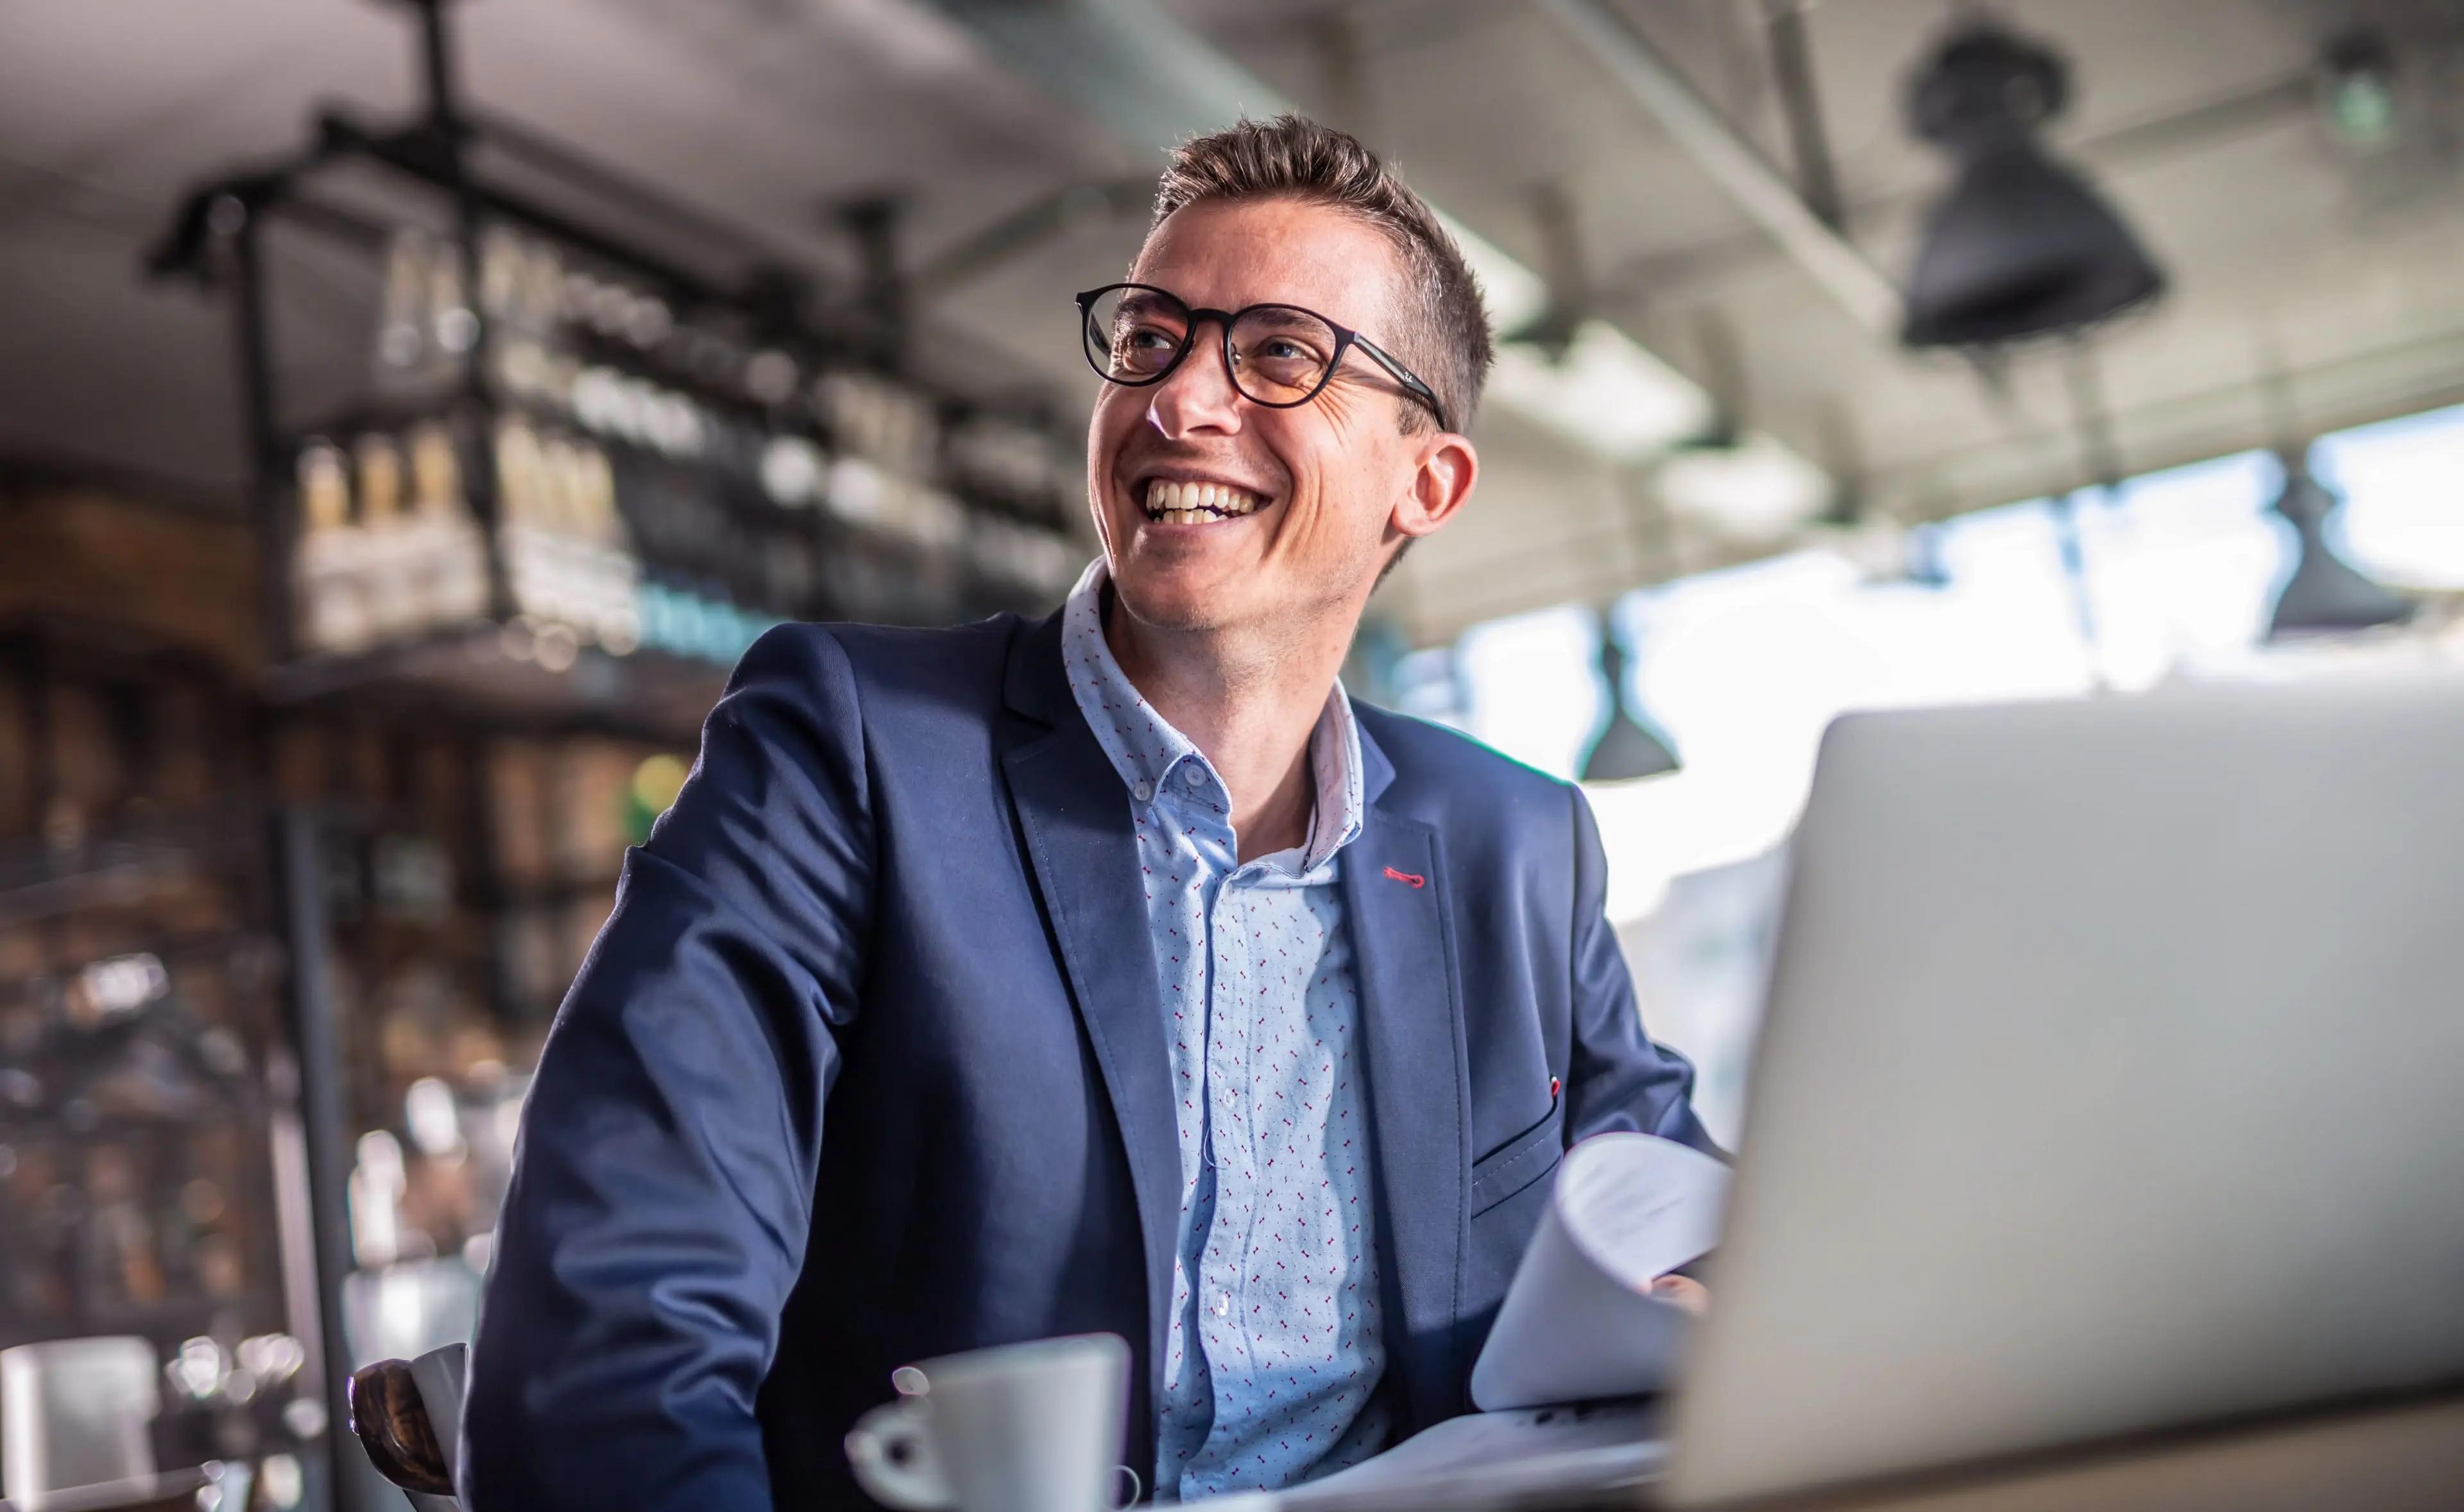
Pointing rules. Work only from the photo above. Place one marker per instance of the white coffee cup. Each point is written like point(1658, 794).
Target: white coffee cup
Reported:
point(1024, 1428)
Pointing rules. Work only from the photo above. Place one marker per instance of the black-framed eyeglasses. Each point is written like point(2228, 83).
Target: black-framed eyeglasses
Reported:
point(1279, 355)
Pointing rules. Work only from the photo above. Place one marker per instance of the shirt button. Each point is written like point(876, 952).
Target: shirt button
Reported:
point(1222, 1304)
point(1195, 776)
point(1142, 789)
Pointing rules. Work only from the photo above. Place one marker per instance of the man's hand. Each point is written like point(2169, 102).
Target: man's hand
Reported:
point(1684, 1292)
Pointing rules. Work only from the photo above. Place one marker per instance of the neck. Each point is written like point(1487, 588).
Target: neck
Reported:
point(1250, 703)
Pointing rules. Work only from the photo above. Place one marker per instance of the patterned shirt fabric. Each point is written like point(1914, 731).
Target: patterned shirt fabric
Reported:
point(1274, 1353)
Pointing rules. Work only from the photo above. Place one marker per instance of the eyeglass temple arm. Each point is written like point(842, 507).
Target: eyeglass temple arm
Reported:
point(1403, 375)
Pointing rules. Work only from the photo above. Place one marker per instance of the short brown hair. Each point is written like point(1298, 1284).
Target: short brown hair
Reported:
point(1446, 340)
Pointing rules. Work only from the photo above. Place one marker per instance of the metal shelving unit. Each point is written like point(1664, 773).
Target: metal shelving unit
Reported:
point(575, 443)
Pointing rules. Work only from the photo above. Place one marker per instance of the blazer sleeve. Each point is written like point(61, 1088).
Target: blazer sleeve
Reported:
point(1616, 1077)
point(661, 1197)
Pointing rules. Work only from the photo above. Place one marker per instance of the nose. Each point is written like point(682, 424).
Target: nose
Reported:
point(1198, 397)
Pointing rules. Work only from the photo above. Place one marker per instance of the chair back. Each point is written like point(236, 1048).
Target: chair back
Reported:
point(408, 1415)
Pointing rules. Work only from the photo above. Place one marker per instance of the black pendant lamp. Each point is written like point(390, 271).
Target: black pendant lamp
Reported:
point(1628, 747)
point(2325, 593)
point(2020, 246)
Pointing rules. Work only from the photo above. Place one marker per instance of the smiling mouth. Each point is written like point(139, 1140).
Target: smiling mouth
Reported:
point(1177, 503)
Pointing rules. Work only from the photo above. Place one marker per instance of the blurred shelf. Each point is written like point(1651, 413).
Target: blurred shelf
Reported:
point(36, 883)
point(647, 695)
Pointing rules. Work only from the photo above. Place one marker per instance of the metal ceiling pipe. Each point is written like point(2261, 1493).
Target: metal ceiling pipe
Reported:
point(1792, 58)
point(1759, 189)
point(1150, 79)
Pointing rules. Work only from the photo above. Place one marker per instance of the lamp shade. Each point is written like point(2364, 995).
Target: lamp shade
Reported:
point(2325, 593)
point(2021, 246)
point(1626, 749)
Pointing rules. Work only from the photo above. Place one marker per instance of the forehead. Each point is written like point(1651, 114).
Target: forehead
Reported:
point(1225, 254)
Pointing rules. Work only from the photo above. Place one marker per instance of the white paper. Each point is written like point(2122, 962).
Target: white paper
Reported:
point(1495, 1453)
point(1576, 1324)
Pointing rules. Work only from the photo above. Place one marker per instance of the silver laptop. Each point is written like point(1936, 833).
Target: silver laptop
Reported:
point(2113, 1079)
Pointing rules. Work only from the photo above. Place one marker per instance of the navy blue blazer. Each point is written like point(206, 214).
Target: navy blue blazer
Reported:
point(868, 1065)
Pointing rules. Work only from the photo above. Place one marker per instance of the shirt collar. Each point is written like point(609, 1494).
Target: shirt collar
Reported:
point(1144, 749)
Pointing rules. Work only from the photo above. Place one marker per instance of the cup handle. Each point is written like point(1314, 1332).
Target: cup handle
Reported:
point(1137, 1487)
point(891, 1454)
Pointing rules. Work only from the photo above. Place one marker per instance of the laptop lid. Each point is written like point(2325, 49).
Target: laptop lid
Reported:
point(2112, 1079)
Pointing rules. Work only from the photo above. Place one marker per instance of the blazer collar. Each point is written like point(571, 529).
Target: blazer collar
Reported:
point(1075, 824)
point(1397, 899)
point(1035, 684)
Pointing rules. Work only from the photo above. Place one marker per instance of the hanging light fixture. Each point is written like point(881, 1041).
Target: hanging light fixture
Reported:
point(2357, 90)
point(2325, 593)
point(1628, 747)
point(2021, 246)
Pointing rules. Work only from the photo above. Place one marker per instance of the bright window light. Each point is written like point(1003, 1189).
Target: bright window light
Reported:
point(1757, 490)
point(2185, 565)
point(1535, 686)
point(2403, 482)
point(1607, 394)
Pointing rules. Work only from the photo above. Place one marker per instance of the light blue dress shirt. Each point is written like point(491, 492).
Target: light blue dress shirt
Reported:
point(1273, 1354)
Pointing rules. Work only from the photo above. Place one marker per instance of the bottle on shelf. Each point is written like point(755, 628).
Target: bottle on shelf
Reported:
point(566, 552)
point(327, 559)
point(503, 260)
point(450, 557)
point(879, 420)
point(426, 327)
point(698, 620)
point(522, 285)
point(402, 325)
point(453, 327)
point(390, 573)
point(608, 574)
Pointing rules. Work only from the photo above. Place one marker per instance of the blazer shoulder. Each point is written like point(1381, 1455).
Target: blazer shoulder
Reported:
point(877, 649)
point(882, 657)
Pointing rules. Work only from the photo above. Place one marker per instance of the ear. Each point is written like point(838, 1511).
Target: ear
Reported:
point(1447, 468)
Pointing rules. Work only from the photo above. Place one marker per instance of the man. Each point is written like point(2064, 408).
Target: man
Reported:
point(1111, 971)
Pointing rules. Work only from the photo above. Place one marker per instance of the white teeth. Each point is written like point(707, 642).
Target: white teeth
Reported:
point(1180, 504)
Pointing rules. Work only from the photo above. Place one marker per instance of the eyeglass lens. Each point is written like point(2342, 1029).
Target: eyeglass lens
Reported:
point(1280, 355)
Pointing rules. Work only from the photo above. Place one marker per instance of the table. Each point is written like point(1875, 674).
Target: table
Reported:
point(2390, 1455)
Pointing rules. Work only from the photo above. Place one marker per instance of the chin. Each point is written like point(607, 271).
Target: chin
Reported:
point(1174, 596)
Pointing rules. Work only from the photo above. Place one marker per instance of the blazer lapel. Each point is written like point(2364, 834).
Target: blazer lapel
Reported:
point(1075, 817)
point(1395, 893)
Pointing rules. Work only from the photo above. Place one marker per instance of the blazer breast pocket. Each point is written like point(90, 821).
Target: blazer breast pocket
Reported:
point(1518, 1163)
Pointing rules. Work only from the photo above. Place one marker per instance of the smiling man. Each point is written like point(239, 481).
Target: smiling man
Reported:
point(1108, 971)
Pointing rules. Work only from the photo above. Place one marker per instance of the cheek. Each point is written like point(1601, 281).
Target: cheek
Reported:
point(1118, 413)
point(1344, 477)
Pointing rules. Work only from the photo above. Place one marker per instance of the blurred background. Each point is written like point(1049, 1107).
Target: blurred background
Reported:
point(410, 410)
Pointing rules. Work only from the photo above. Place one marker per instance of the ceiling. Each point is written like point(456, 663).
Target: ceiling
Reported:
point(2298, 266)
